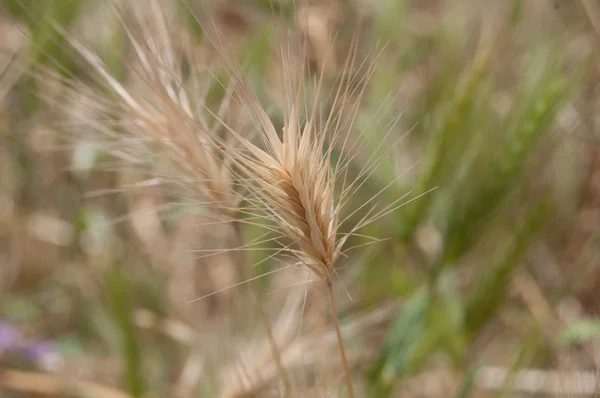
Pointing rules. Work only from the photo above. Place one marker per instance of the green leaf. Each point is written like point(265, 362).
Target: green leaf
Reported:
point(443, 328)
point(469, 382)
point(498, 170)
point(118, 290)
point(452, 313)
point(447, 137)
point(489, 291)
point(404, 331)
point(579, 332)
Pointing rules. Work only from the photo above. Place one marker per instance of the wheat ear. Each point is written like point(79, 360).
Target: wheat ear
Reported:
point(292, 183)
point(289, 177)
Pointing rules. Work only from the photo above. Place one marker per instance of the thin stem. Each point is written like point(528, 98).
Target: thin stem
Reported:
point(52, 385)
point(339, 339)
point(287, 385)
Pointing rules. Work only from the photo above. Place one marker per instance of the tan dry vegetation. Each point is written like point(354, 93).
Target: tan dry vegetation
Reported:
point(171, 145)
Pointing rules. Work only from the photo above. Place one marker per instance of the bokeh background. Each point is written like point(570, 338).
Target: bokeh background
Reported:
point(486, 286)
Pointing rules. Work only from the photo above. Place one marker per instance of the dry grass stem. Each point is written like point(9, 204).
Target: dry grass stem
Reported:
point(338, 333)
point(53, 385)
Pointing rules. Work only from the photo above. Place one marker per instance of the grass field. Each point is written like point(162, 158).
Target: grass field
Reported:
point(182, 182)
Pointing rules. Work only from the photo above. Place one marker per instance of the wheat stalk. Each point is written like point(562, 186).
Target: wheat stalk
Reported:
point(290, 179)
point(294, 184)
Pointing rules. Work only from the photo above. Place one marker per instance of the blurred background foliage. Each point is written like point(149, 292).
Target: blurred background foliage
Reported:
point(490, 267)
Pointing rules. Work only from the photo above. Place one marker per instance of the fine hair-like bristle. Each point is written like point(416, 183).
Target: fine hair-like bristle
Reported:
point(291, 178)
point(288, 179)
point(166, 114)
point(293, 183)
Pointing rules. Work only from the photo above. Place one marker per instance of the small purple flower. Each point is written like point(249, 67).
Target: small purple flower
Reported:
point(44, 353)
point(10, 337)
point(37, 349)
